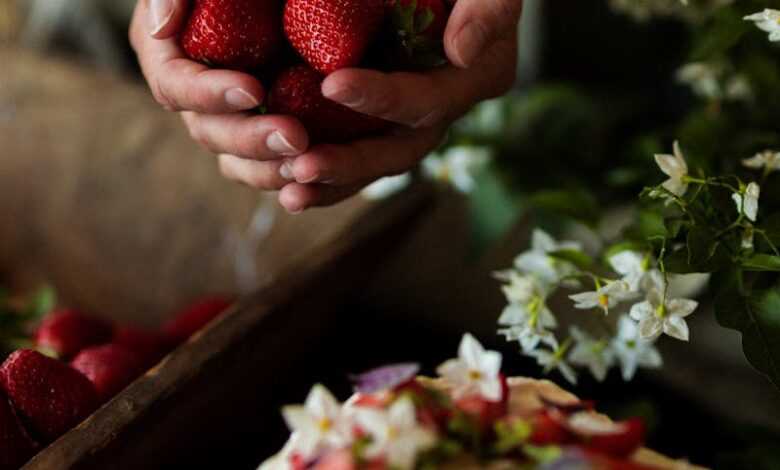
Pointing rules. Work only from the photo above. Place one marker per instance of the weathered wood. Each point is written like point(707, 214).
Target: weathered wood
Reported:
point(227, 375)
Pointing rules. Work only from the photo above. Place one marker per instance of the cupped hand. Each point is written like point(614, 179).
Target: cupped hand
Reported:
point(216, 105)
point(270, 152)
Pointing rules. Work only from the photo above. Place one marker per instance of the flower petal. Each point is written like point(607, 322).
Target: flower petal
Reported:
point(676, 327)
point(650, 327)
point(682, 307)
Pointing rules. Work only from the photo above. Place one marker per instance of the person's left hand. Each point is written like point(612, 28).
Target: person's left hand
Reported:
point(481, 44)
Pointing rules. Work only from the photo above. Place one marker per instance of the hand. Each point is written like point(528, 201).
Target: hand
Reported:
point(213, 103)
point(480, 42)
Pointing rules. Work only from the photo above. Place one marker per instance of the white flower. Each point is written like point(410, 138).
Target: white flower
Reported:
point(675, 167)
point(320, 423)
point(605, 297)
point(738, 88)
point(594, 354)
point(537, 260)
point(522, 289)
point(281, 461)
point(769, 21)
point(476, 371)
point(768, 160)
point(386, 187)
point(703, 78)
point(747, 202)
point(657, 315)
point(633, 352)
point(632, 266)
point(457, 166)
point(555, 360)
point(528, 324)
point(395, 433)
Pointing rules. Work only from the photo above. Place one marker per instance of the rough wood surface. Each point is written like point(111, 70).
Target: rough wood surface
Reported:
point(228, 374)
point(105, 195)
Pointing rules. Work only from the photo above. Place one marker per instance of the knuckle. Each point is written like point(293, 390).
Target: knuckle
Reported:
point(162, 97)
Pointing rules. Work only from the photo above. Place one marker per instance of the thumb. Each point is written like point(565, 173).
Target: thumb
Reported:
point(476, 24)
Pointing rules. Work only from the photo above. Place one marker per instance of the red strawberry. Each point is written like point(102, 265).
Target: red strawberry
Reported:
point(110, 368)
point(16, 446)
point(235, 34)
point(549, 428)
point(48, 394)
point(297, 92)
point(194, 317)
point(332, 34)
point(486, 412)
point(66, 332)
point(150, 346)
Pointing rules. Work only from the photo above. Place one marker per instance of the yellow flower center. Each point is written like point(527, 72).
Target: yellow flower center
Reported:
point(604, 300)
point(393, 433)
point(475, 375)
point(325, 424)
point(660, 311)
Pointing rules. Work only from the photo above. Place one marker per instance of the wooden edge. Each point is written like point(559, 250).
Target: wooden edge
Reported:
point(105, 427)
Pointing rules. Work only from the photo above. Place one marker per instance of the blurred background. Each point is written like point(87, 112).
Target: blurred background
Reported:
point(103, 195)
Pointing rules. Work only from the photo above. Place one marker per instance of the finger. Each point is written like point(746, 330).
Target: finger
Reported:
point(475, 25)
point(248, 136)
point(296, 197)
point(258, 175)
point(364, 160)
point(166, 17)
point(423, 100)
point(179, 84)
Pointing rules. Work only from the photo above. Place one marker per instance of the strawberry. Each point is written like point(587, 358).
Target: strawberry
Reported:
point(194, 317)
point(549, 429)
point(48, 394)
point(235, 34)
point(332, 34)
point(297, 92)
point(148, 345)
point(16, 446)
point(110, 368)
point(66, 332)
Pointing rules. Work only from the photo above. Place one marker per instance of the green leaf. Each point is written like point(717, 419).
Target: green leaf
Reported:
point(41, 303)
point(760, 262)
point(576, 257)
point(542, 454)
point(721, 35)
point(755, 315)
point(423, 20)
point(577, 204)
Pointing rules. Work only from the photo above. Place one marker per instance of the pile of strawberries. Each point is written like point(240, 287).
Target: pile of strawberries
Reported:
point(79, 362)
point(291, 45)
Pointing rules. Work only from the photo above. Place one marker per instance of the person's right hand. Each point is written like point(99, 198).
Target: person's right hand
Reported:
point(216, 105)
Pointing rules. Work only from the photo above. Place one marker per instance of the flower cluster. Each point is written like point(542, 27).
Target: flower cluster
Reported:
point(628, 342)
point(396, 420)
point(643, 10)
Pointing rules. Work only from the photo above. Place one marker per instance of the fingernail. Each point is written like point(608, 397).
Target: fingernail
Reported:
point(286, 171)
point(278, 144)
point(469, 42)
point(161, 12)
point(240, 99)
point(346, 95)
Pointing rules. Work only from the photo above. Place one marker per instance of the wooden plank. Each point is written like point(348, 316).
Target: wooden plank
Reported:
point(231, 371)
